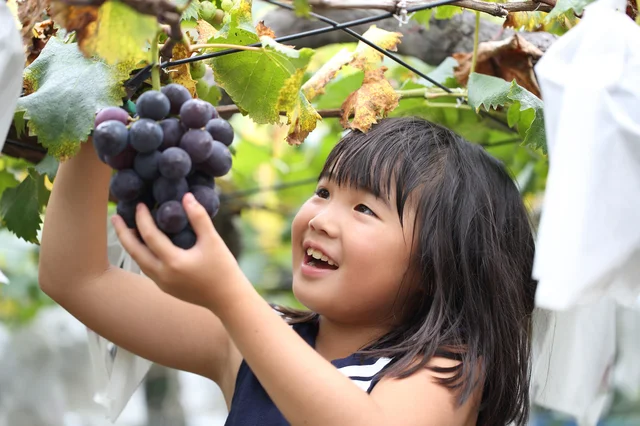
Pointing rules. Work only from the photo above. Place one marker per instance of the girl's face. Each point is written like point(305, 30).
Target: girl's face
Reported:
point(362, 236)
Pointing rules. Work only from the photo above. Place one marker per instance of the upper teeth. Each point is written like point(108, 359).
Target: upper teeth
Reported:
point(317, 254)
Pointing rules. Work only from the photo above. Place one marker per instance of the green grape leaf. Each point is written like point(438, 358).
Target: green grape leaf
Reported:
point(266, 81)
point(447, 12)
point(493, 92)
point(48, 166)
point(302, 8)
point(20, 123)
point(67, 91)
point(191, 12)
point(119, 35)
point(7, 180)
point(423, 17)
point(564, 6)
point(20, 207)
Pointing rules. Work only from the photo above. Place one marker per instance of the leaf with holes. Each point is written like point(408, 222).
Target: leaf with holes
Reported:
point(20, 207)
point(67, 90)
point(528, 116)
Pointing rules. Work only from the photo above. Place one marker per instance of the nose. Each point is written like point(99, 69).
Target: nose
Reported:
point(324, 223)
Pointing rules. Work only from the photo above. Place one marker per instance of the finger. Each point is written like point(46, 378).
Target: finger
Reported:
point(141, 254)
point(159, 244)
point(198, 217)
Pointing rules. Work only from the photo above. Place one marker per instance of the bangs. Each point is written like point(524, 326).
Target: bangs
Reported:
point(379, 162)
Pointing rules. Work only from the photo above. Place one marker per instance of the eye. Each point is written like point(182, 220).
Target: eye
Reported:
point(322, 192)
point(364, 209)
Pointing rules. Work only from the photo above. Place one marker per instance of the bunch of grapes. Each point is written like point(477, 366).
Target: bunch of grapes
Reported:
point(175, 145)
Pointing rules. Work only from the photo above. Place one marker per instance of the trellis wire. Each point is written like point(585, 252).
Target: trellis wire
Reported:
point(136, 81)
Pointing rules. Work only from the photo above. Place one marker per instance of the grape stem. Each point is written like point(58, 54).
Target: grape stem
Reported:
point(155, 70)
point(224, 46)
point(476, 42)
point(430, 94)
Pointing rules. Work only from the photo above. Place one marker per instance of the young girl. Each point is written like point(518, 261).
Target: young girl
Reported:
point(413, 255)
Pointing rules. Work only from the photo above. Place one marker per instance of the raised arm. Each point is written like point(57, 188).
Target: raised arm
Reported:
point(125, 308)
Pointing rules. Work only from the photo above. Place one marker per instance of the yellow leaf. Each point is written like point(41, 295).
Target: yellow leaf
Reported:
point(366, 57)
point(181, 74)
point(300, 113)
point(373, 101)
point(205, 31)
point(316, 84)
point(119, 34)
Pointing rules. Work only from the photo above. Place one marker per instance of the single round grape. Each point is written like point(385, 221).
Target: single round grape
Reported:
point(171, 217)
point(220, 130)
point(127, 210)
point(153, 104)
point(218, 163)
point(207, 197)
point(184, 239)
point(195, 113)
point(165, 189)
point(207, 10)
point(122, 161)
point(199, 178)
point(172, 131)
point(202, 88)
point(110, 138)
point(177, 96)
point(111, 113)
point(146, 165)
point(226, 5)
point(145, 135)
point(198, 144)
point(198, 69)
point(126, 185)
point(174, 163)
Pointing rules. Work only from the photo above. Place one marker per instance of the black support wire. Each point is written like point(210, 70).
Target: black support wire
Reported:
point(386, 53)
point(136, 81)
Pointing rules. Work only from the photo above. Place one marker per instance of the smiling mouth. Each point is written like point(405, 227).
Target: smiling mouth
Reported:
point(318, 263)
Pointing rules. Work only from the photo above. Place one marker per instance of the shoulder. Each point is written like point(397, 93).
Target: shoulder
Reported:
point(420, 400)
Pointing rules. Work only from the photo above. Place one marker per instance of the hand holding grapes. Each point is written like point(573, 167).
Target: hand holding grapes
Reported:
point(207, 274)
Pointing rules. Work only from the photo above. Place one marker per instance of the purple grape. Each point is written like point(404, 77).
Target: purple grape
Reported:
point(199, 178)
point(171, 217)
point(112, 113)
point(145, 135)
point(177, 96)
point(110, 138)
point(195, 113)
point(126, 185)
point(174, 163)
point(198, 144)
point(220, 130)
point(153, 104)
point(207, 197)
point(218, 163)
point(172, 131)
point(184, 239)
point(215, 113)
point(146, 165)
point(122, 161)
point(165, 189)
point(127, 209)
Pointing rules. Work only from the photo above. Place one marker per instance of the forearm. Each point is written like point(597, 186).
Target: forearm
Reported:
point(305, 387)
point(74, 241)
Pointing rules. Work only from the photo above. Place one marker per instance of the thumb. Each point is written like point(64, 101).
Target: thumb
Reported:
point(198, 217)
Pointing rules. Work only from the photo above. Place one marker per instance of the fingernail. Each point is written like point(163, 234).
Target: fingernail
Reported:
point(190, 198)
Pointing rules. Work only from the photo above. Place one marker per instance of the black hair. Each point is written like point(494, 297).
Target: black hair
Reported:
point(473, 259)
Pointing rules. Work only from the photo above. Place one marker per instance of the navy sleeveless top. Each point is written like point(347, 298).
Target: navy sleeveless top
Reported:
point(252, 406)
